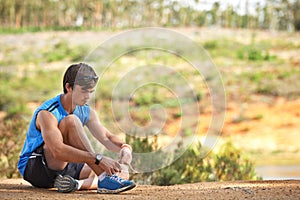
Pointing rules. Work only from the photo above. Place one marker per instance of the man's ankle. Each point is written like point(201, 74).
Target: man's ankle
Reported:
point(101, 176)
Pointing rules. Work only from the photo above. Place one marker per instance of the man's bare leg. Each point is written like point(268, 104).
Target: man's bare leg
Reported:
point(88, 179)
point(74, 135)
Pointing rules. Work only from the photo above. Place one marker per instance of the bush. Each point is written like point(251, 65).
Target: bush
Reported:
point(212, 44)
point(254, 53)
point(231, 164)
point(190, 168)
point(227, 164)
point(12, 135)
point(62, 50)
point(59, 51)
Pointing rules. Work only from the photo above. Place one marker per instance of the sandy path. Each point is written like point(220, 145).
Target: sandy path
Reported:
point(285, 189)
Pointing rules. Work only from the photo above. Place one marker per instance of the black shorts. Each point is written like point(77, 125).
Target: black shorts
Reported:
point(39, 175)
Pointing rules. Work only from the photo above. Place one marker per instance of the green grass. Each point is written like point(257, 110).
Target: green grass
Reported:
point(62, 50)
point(43, 29)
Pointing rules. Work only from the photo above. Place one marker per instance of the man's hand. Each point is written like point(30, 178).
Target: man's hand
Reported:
point(110, 166)
point(125, 155)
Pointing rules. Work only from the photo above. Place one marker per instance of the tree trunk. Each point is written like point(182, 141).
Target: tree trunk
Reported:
point(297, 15)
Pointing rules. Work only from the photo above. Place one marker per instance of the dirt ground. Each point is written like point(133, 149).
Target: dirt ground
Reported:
point(285, 189)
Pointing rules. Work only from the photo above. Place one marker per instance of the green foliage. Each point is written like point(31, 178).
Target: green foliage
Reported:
point(257, 77)
point(227, 164)
point(190, 168)
point(274, 83)
point(78, 53)
point(63, 50)
point(212, 44)
point(6, 100)
point(254, 53)
point(12, 135)
point(145, 145)
point(58, 52)
point(231, 164)
point(18, 109)
point(64, 15)
point(167, 177)
point(16, 92)
point(10, 102)
point(220, 47)
point(149, 96)
point(144, 99)
point(141, 145)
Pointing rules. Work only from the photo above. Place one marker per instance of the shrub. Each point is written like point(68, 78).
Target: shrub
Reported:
point(58, 52)
point(254, 53)
point(227, 164)
point(212, 44)
point(190, 168)
point(12, 134)
point(63, 50)
point(231, 164)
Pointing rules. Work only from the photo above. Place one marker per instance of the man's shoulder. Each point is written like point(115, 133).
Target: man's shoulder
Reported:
point(46, 115)
point(50, 103)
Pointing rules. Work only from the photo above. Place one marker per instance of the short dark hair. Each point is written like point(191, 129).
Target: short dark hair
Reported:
point(80, 74)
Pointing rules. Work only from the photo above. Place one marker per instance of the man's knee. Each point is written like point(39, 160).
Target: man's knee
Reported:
point(69, 122)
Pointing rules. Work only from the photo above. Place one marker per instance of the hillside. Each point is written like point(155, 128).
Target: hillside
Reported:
point(260, 70)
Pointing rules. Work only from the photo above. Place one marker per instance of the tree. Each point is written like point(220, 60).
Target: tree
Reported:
point(245, 18)
point(266, 16)
point(258, 14)
point(283, 13)
point(18, 13)
point(296, 13)
point(214, 13)
point(275, 14)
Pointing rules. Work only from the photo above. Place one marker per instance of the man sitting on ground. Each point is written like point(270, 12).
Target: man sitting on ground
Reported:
point(57, 152)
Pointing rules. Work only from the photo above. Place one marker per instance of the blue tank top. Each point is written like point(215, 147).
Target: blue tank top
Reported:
point(34, 137)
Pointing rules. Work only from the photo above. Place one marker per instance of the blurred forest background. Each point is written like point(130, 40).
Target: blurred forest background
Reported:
point(64, 14)
point(254, 44)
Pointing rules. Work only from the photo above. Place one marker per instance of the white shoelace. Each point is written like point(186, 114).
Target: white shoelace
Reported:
point(116, 178)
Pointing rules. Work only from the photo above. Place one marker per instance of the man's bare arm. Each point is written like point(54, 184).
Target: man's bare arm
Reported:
point(53, 138)
point(110, 141)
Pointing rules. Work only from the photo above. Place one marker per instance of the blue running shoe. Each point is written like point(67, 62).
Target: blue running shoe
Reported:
point(114, 184)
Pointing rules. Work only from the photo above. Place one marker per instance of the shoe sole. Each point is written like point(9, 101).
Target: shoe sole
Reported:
point(123, 189)
point(65, 184)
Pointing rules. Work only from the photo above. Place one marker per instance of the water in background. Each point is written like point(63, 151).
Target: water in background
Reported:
point(279, 172)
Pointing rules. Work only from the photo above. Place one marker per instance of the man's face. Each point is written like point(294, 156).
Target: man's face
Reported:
point(81, 96)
